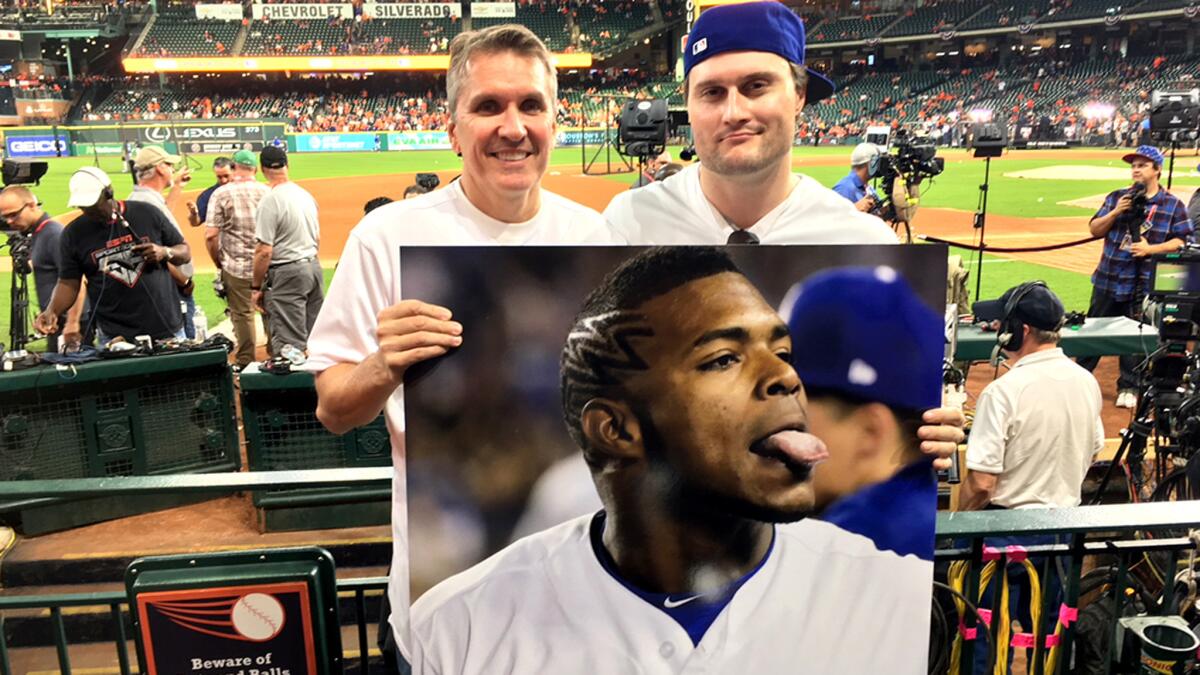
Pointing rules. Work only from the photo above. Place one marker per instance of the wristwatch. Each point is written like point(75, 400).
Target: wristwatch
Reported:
point(170, 253)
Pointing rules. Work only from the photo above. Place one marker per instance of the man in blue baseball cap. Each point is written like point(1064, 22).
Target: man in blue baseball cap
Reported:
point(745, 83)
point(1133, 228)
point(865, 397)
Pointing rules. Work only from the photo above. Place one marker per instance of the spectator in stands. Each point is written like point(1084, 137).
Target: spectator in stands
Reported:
point(230, 240)
point(20, 210)
point(1036, 432)
point(502, 88)
point(864, 164)
point(198, 210)
point(1122, 278)
point(743, 189)
point(123, 249)
point(154, 171)
point(288, 284)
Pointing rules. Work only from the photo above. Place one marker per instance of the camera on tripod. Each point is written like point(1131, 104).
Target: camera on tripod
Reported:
point(1174, 115)
point(642, 129)
point(909, 158)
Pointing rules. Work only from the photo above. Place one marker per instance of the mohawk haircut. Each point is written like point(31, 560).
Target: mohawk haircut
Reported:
point(598, 357)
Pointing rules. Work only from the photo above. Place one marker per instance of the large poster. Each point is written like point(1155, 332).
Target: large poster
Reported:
point(618, 467)
point(303, 12)
point(412, 10)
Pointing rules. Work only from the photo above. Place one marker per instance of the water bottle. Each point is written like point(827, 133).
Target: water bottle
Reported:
point(201, 323)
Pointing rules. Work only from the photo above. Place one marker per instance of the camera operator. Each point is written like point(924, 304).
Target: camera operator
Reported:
point(123, 249)
point(864, 165)
point(1135, 222)
point(20, 211)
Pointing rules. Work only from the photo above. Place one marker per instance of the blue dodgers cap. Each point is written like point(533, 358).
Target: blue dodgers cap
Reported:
point(1145, 152)
point(753, 27)
point(863, 332)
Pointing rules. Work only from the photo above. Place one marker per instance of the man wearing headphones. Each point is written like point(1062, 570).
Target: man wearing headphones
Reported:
point(864, 163)
point(122, 248)
point(1038, 427)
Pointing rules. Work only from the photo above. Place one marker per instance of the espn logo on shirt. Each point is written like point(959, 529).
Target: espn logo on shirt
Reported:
point(37, 146)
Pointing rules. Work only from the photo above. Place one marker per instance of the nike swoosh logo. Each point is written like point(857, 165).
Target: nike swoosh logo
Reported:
point(672, 604)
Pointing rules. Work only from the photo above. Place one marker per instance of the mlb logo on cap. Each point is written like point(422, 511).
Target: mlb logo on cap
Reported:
point(700, 46)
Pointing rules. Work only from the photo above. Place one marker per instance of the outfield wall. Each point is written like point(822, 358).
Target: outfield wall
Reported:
point(227, 136)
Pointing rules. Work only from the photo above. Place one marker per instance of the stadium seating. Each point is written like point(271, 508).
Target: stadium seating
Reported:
point(609, 23)
point(933, 18)
point(177, 32)
point(851, 28)
point(400, 36)
point(1156, 5)
point(1065, 10)
point(1005, 13)
point(298, 37)
point(548, 19)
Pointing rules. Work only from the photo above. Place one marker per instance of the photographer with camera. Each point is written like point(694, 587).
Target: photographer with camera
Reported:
point(34, 246)
point(1136, 222)
point(864, 165)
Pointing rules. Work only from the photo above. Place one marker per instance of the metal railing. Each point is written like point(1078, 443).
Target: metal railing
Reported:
point(1122, 533)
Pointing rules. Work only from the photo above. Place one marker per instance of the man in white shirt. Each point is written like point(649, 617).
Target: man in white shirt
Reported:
point(745, 84)
point(678, 388)
point(502, 92)
point(1038, 427)
point(1036, 431)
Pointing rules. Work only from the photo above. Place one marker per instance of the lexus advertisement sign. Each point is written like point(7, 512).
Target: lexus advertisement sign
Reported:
point(167, 133)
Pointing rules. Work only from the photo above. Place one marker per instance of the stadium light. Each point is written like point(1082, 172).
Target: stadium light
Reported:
point(980, 115)
point(1098, 111)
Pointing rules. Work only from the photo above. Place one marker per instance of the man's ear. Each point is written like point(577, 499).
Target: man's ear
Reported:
point(612, 430)
point(877, 429)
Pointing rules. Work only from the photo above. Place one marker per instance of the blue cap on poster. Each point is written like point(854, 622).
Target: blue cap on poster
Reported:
point(755, 27)
point(865, 333)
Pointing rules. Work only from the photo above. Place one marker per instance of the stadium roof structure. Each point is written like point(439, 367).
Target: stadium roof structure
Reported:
point(312, 64)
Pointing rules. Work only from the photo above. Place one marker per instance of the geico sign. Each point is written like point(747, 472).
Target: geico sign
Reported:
point(17, 145)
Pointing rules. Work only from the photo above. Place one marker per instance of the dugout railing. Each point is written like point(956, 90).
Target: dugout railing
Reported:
point(1123, 539)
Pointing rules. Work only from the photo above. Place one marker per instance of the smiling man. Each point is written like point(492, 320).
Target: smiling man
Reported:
point(502, 92)
point(745, 84)
point(678, 388)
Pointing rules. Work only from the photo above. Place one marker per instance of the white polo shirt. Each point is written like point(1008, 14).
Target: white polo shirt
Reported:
point(675, 211)
point(1038, 428)
point(368, 280)
point(824, 601)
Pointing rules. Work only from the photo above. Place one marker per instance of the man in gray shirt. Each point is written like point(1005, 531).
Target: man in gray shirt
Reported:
point(154, 173)
point(287, 284)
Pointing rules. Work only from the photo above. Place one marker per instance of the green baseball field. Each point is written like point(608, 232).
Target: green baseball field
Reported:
point(1036, 198)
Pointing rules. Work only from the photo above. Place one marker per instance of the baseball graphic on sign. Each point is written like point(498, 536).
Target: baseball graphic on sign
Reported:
point(257, 616)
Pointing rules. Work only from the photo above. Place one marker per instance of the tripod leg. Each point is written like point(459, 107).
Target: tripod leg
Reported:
point(1133, 441)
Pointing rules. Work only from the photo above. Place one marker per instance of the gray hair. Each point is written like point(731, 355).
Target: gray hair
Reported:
point(146, 172)
point(222, 163)
point(495, 39)
point(1045, 337)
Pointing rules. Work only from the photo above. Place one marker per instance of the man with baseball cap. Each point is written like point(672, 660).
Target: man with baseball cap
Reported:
point(745, 84)
point(154, 174)
point(1036, 428)
point(865, 399)
point(229, 238)
point(1122, 278)
point(864, 165)
point(123, 249)
point(1036, 431)
point(287, 281)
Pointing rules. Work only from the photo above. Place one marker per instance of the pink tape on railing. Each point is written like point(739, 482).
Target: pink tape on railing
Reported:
point(966, 633)
point(990, 553)
point(1067, 615)
point(1053, 641)
point(1017, 554)
point(1023, 640)
point(986, 615)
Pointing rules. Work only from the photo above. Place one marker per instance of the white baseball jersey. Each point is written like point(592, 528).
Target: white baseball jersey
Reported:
point(825, 601)
point(675, 211)
point(368, 280)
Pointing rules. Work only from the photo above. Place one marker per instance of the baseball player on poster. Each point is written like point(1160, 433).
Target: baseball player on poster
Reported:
point(678, 388)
